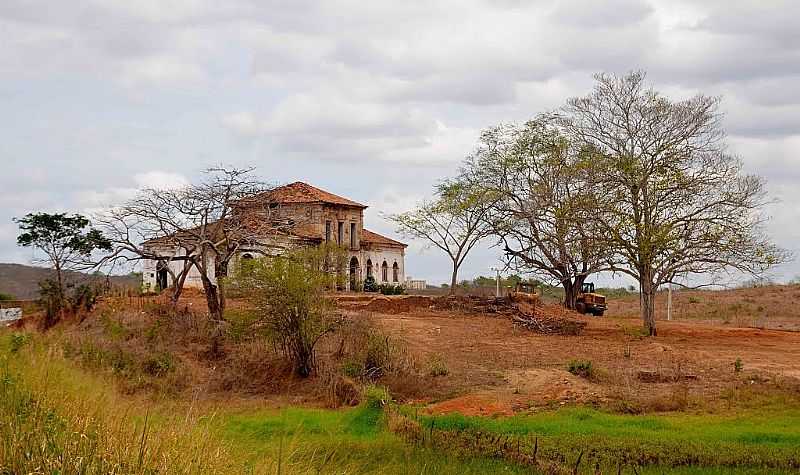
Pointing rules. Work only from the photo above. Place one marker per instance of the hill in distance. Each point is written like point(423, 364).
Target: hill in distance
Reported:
point(22, 282)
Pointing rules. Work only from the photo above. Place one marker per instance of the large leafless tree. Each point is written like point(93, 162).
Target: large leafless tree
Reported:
point(683, 204)
point(208, 223)
point(544, 214)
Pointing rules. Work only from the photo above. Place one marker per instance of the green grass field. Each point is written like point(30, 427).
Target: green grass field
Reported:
point(767, 440)
point(58, 418)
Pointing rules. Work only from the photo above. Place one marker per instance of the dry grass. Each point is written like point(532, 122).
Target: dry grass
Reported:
point(164, 352)
point(59, 420)
point(758, 307)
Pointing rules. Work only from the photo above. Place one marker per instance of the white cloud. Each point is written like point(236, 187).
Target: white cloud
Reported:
point(244, 123)
point(160, 180)
point(384, 96)
point(159, 70)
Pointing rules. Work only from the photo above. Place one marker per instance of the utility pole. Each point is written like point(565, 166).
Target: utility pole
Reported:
point(497, 281)
point(669, 301)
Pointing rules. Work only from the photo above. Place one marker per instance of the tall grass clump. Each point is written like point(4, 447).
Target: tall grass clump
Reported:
point(54, 418)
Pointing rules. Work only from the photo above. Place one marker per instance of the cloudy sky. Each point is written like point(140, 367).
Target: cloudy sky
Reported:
point(372, 100)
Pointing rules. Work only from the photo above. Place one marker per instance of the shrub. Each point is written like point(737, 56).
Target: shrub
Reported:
point(436, 366)
point(366, 351)
point(338, 390)
point(288, 294)
point(113, 328)
point(352, 368)
point(158, 364)
point(240, 324)
point(582, 368)
point(375, 397)
point(6, 297)
point(370, 285)
point(389, 289)
point(18, 340)
point(74, 299)
point(738, 366)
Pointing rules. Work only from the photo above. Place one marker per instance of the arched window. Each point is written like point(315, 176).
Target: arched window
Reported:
point(395, 272)
point(369, 267)
point(247, 256)
point(385, 272)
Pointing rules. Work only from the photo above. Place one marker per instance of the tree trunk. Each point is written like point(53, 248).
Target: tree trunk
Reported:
point(570, 294)
point(212, 297)
point(454, 280)
point(61, 297)
point(215, 312)
point(571, 289)
point(177, 289)
point(221, 272)
point(648, 304)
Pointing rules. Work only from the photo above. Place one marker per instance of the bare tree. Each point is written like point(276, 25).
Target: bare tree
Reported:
point(134, 240)
point(454, 222)
point(544, 214)
point(207, 223)
point(683, 204)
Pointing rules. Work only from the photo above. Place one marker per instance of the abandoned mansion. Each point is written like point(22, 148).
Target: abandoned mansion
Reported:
point(325, 218)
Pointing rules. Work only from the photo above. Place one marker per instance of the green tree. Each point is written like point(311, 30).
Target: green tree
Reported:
point(546, 204)
point(682, 204)
point(67, 243)
point(288, 292)
point(454, 222)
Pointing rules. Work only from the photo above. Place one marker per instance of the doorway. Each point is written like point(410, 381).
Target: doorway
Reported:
point(354, 274)
point(162, 276)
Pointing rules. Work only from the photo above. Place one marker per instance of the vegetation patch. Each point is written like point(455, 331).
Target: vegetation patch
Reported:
point(436, 366)
point(582, 368)
point(746, 440)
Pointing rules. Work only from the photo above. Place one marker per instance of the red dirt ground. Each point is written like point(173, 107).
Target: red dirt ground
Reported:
point(496, 368)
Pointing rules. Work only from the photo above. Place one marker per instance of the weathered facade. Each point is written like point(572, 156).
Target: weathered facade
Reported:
point(321, 217)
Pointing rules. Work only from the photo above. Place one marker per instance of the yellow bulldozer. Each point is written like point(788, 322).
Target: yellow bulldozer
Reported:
point(590, 302)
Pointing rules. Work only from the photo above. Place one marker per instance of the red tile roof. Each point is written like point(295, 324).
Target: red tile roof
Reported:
point(299, 192)
point(368, 236)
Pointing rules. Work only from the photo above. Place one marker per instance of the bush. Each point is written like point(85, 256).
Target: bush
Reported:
point(375, 397)
point(370, 285)
point(240, 324)
point(73, 299)
point(436, 366)
point(738, 366)
point(352, 368)
point(388, 289)
point(341, 390)
point(288, 293)
point(582, 368)
point(6, 297)
point(158, 364)
point(366, 352)
point(18, 340)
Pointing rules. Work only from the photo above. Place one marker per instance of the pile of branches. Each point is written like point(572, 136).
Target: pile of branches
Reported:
point(474, 304)
point(547, 319)
point(549, 324)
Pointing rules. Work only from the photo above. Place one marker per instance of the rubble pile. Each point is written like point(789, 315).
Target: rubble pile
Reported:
point(528, 314)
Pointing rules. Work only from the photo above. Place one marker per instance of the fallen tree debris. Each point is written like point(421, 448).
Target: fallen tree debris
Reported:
point(550, 325)
point(533, 316)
